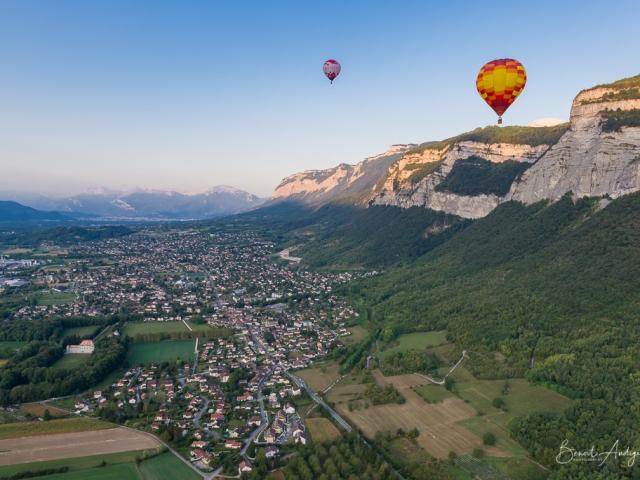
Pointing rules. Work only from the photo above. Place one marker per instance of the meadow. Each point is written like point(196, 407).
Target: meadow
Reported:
point(358, 334)
point(321, 375)
point(72, 361)
point(82, 332)
point(415, 341)
point(158, 352)
point(322, 429)
point(146, 331)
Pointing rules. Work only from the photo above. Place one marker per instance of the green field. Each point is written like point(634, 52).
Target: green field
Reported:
point(523, 398)
point(123, 471)
point(74, 464)
point(416, 341)
point(158, 352)
point(166, 466)
point(136, 329)
point(82, 332)
point(72, 360)
point(358, 334)
point(433, 393)
point(66, 425)
point(119, 466)
point(53, 298)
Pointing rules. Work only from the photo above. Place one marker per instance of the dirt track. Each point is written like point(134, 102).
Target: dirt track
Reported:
point(66, 445)
point(437, 423)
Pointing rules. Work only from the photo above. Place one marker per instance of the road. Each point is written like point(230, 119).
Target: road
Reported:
point(264, 421)
point(314, 396)
point(441, 382)
point(198, 416)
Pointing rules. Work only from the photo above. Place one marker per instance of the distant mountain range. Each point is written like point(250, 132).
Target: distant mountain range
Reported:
point(141, 205)
point(15, 212)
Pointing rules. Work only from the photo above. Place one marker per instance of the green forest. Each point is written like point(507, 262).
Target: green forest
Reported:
point(554, 288)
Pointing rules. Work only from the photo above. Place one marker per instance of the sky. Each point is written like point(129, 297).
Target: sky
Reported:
point(185, 95)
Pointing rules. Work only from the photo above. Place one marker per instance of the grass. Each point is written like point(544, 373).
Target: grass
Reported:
point(12, 345)
point(358, 334)
point(322, 430)
point(320, 376)
point(523, 398)
point(38, 409)
point(158, 352)
point(136, 329)
point(82, 332)
point(74, 464)
point(166, 466)
point(54, 298)
point(433, 393)
point(416, 341)
point(72, 361)
point(518, 468)
point(66, 425)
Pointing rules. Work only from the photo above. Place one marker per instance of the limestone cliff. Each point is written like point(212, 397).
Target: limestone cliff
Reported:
point(596, 154)
point(351, 183)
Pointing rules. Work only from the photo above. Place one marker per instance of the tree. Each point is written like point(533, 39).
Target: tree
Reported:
point(448, 383)
point(489, 438)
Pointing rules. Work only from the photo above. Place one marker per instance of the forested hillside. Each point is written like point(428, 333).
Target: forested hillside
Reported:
point(554, 290)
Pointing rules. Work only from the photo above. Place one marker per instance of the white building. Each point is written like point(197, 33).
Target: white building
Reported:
point(86, 346)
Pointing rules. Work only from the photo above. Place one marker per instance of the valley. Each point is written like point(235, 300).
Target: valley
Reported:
point(446, 310)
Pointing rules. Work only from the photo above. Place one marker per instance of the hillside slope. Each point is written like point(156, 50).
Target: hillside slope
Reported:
point(554, 289)
point(14, 212)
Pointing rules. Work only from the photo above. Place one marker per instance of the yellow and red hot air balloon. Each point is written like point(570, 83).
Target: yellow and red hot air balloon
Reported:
point(500, 82)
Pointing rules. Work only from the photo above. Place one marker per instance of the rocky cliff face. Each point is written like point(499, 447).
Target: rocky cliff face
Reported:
point(587, 161)
point(351, 183)
point(597, 154)
point(403, 186)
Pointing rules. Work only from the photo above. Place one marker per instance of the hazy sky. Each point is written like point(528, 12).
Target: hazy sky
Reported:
point(186, 95)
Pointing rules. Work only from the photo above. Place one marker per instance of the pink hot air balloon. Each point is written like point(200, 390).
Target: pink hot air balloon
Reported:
point(331, 69)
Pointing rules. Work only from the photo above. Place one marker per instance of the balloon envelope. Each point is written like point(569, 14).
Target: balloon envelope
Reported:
point(500, 82)
point(331, 69)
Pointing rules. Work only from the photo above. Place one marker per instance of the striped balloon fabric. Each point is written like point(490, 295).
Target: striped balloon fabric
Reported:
point(500, 82)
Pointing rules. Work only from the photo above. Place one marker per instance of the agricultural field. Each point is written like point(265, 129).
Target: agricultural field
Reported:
point(522, 398)
point(416, 341)
point(166, 466)
point(76, 463)
point(120, 466)
point(438, 423)
point(72, 360)
point(38, 409)
point(158, 352)
point(433, 393)
point(54, 446)
point(122, 471)
point(82, 332)
point(67, 425)
point(322, 429)
point(321, 375)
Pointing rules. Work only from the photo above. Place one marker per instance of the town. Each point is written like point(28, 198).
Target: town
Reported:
point(214, 324)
